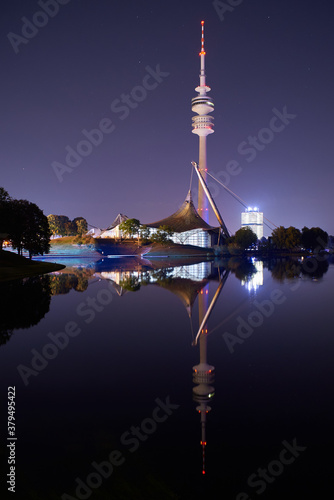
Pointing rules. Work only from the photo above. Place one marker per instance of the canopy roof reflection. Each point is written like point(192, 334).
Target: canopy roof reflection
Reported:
point(185, 289)
point(185, 280)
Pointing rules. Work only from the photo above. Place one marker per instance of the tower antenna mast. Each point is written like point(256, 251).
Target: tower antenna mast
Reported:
point(202, 125)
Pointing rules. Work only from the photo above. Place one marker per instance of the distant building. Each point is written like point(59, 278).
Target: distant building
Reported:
point(253, 219)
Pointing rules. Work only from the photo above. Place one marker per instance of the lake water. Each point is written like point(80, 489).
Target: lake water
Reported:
point(101, 356)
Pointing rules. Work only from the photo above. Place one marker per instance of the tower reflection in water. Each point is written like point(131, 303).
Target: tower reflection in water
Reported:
point(187, 282)
point(204, 373)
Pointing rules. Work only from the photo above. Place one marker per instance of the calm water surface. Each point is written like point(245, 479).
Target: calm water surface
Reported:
point(102, 356)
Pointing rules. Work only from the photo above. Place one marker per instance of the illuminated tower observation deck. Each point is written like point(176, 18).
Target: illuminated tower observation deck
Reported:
point(202, 125)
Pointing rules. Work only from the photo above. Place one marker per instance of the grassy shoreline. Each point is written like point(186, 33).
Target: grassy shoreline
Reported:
point(13, 266)
point(73, 240)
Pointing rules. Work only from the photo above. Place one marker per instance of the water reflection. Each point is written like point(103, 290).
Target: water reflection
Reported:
point(190, 282)
point(23, 304)
point(183, 280)
point(256, 279)
point(26, 302)
point(305, 268)
point(243, 269)
point(70, 278)
point(187, 281)
point(203, 373)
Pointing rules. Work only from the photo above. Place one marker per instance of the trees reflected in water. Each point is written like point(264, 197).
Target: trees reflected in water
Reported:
point(243, 269)
point(70, 279)
point(281, 269)
point(308, 268)
point(23, 304)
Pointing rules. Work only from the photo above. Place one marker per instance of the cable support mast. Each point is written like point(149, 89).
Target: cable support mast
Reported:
point(211, 200)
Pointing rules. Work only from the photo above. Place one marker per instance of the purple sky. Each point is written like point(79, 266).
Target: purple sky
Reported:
point(76, 67)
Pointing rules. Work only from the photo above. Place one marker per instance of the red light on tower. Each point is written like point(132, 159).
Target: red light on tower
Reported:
point(202, 53)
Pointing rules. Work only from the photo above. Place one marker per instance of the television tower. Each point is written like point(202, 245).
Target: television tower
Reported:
point(202, 125)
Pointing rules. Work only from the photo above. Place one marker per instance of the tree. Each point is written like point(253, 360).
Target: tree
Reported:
point(4, 196)
point(292, 238)
point(24, 224)
point(162, 234)
point(60, 225)
point(81, 225)
point(130, 227)
point(63, 226)
point(18, 224)
point(36, 238)
point(279, 236)
point(288, 238)
point(5, 215)
point(53, 224)
point(30, 230)
point(70, 228)
point(244, 238)
point(314, 238)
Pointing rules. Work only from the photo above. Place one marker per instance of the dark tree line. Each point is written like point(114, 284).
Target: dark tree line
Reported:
point(24, 224)
point(291, 238)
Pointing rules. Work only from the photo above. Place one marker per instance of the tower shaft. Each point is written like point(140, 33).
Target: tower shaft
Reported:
point(203, 207)
point(202, 126)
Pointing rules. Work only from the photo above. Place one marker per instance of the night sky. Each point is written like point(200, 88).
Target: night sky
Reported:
point(265, 58)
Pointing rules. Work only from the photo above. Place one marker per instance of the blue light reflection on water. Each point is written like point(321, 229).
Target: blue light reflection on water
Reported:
point(275, 386)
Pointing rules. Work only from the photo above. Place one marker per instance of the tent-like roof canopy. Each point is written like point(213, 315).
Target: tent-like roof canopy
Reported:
point(185, 219)
point(118, 220)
